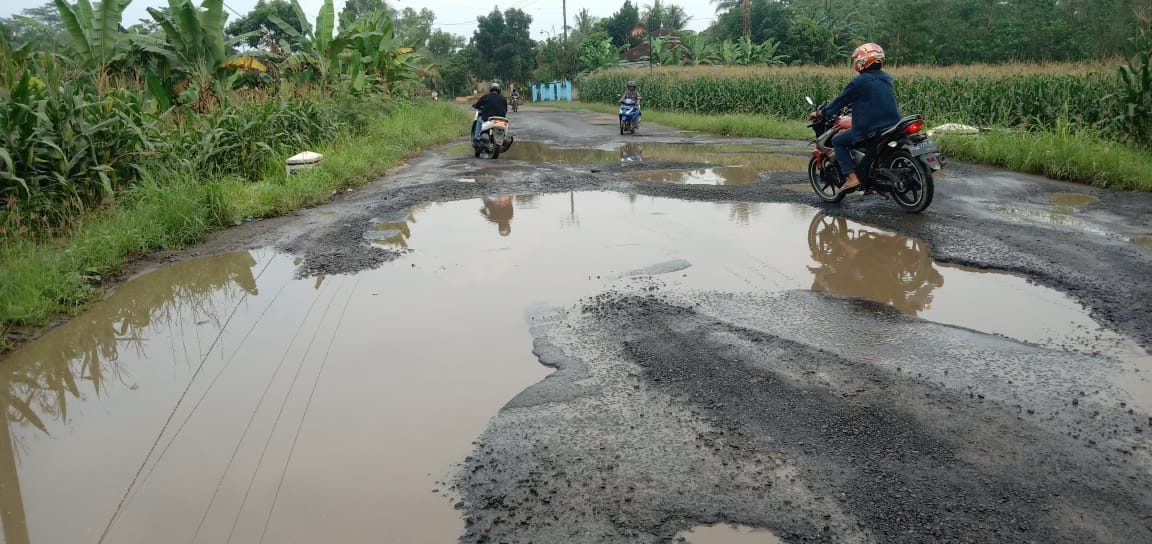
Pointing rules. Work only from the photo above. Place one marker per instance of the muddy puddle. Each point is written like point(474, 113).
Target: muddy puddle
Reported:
point(741, 162)
point(224, 400)
point(727, 534)
point(1071, 200)
point(1143, 240)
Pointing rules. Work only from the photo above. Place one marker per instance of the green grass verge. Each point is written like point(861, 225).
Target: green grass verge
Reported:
point(40, 281)
point(1065, 153)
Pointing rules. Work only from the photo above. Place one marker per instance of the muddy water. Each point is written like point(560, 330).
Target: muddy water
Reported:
point(223, 400)
point(741, 163)
point(1072, 200)
point(728, 534)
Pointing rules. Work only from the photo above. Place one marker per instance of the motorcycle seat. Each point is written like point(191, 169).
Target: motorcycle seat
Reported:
point(898, 127)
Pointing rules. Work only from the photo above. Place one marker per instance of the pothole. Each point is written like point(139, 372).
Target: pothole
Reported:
point(1057, 215)
point(269, 382)
point(728, 534)
point(1143, 240)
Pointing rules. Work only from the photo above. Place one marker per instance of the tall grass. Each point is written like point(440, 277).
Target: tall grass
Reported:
point(171, 209)
point(1065, 152)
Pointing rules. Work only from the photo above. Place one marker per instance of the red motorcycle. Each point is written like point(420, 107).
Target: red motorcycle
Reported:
point(897, 163)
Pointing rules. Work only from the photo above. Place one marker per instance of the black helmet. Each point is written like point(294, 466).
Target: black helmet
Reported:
point(494, 87)
point(631, 84)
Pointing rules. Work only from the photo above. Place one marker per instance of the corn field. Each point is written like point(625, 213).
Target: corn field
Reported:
point(1010, 95)
point(81, 125)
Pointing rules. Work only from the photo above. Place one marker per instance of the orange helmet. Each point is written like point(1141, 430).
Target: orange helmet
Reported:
point(866, 55)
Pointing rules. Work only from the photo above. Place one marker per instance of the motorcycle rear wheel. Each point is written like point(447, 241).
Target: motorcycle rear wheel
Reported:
point(912, 200)
point(821, 181)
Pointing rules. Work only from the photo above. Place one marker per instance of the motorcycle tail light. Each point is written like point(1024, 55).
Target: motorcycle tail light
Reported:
point(914, 127)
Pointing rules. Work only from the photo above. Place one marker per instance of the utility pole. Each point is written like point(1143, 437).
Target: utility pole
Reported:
point(564, 13)
point(747, 16)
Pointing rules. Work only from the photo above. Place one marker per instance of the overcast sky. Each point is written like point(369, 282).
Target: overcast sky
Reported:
point(456, 16)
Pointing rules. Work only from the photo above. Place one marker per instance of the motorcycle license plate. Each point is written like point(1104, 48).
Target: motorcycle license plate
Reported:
point(923, 148)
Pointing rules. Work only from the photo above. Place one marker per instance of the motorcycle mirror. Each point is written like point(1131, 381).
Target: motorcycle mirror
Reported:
point(809, 99)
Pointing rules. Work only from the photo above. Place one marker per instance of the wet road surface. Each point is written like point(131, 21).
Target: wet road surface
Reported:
point(599, 339)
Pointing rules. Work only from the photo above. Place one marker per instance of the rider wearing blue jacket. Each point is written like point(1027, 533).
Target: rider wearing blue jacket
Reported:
point(873, 104)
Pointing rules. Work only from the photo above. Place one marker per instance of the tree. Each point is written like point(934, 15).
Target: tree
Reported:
point(809, 42)
point(354, 9)
point(768, 19)
point(415, 27)
point(40, 27)
point(658, 16)
point(585, 22)
point(621, 23)
point(455, 72)
point(595, 55)
point(258, 20)
point(504, 46)
point(557, 59)
point(441, 44)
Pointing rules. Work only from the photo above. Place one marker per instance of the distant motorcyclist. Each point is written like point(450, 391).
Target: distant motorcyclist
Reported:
point(490, 105)
point(873, 108)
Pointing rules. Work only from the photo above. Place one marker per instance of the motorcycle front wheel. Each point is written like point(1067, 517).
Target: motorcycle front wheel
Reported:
point(915, 192)
point(822, 180)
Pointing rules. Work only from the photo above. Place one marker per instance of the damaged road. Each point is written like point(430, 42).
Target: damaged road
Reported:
point(722, 349)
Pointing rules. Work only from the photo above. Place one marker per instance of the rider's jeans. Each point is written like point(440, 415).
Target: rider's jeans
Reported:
point(842, 144)
point(476, 128)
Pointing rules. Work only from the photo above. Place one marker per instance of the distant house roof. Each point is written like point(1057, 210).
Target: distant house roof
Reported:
point(644, 49)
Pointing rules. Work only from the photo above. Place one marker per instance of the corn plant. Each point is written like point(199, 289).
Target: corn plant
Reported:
point(1134, 120)
point(1004, 96)
point(64, 147)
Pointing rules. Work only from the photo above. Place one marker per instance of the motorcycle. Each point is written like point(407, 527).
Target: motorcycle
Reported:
point(629, 116)
point(515, 103)
point(898, 163)
point(494, 137)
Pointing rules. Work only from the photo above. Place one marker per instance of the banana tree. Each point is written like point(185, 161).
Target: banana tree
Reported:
point(309, 52)
point(199, 55)
point(696, 49)
point(95, 31)
point(666, 51)
point(370, 47)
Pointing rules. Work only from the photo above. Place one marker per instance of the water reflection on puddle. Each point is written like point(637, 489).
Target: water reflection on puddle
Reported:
point(327, 408)
point(751, 159)
point(727, 534)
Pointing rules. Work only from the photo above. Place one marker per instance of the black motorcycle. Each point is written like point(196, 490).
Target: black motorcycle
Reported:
point(898, 163)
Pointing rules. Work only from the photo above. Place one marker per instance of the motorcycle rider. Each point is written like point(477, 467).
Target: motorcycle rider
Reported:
point(632, 93)
point(515, 95)
point(490, 105)
point(873, 108)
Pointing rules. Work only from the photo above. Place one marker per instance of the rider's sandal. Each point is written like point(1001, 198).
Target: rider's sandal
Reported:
point(849, 188)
